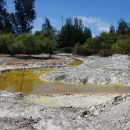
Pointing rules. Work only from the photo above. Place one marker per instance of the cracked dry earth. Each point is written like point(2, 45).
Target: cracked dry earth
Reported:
point(17, 114)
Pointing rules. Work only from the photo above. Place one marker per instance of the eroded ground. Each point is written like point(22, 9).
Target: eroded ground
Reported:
point(16, 113)
point(59, 112)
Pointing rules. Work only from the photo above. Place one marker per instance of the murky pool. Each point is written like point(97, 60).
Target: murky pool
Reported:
point(12, 81)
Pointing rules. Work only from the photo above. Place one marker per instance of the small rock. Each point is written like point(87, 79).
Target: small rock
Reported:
point(96, 113)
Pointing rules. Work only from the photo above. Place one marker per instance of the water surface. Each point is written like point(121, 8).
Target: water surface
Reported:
point(12, 81)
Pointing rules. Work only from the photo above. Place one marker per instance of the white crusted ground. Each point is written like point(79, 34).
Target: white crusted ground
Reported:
point(95, 69)
point(17, 114)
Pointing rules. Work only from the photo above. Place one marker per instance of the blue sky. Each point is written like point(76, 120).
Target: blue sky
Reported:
point(98, 15)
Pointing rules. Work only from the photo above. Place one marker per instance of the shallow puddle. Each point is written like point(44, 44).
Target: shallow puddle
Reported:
point(67, 101)
point(76, 62)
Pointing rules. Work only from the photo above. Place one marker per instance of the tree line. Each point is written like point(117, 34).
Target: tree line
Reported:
point(16, 35)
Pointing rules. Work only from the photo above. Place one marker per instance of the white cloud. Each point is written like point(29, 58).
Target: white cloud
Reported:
point(103, 26)
point(39, 21)
point(89, 20)
point(93, 35)
point(100, 25)
point(54, 23)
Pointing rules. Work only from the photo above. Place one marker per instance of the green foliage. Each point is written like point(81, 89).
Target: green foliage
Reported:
point(48, 30)
point(65, 36)
point(73, 37)
point(87, 33)
point(81, 50)
point(112, 29)
point(105, 52)
point(122, 46)
point(107, 39)
point(73, 32)
point(39, 42)
point(67, 50)
point(27, 42)
point(6, 42)
point(2, 14)
point(93, 44)
point(122, 27)
point(4, 17)
point(50, 46)
point(24, 15)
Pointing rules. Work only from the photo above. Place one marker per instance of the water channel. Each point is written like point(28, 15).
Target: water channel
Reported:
point(11, 81)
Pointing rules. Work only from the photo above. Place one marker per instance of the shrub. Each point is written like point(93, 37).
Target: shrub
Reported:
point(105, 52)
point(67, 49)
point(122, 46)
point(83, 51)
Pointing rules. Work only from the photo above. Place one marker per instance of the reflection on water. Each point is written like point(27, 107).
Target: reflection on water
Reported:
point(11, 81)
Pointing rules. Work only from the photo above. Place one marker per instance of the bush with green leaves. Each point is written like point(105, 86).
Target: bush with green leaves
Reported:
point(66, 49)
point(50, 46)
point(6, 43)
point(105, 52)
point(40, 46)
point(25, 43)
point(81, 50)
point(122, 46)
point(93, 44)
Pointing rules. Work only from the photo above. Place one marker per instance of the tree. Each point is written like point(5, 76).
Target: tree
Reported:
point(65, 36)
point(3, 15)
point(87, 33)
point(49, 34)
point(107, 39)
point(6, 42)
point(25, 44)
point(112, 29)
point(48, 30)
point(40, 44)
point(128, 28)
point(49, 45)
point(25, 14)
point(122, 46)
point(77, 35)
point(73, 32)
point(12, 25)
point(93, 44)
point(122, 27)
point(78, 23)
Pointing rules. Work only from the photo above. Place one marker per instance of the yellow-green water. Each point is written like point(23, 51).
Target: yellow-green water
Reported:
point(12, 81)
point(76, 62)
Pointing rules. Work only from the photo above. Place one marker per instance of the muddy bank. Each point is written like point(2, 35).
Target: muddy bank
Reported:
point(96, 70)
